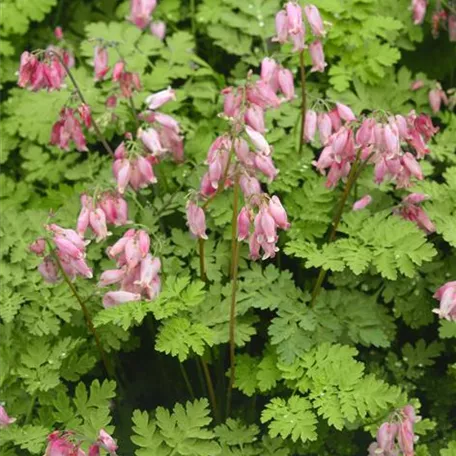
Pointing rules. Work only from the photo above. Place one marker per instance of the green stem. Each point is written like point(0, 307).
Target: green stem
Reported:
point(352, 177)
point(28, 416)
point(210, 388)
point(134, 112)
point(89, 321)
point(83, 100)
point(187, 380)
point(234, 274)
point(303, 100)
point(201, 260)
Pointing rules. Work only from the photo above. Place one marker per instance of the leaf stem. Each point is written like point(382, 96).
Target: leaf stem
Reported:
point(133, 110)
point(83, 100)
point(352, 177)
point(210, 388)
point(234, 273)
point(28, 416)
point(201, 260)
point(303, 100)
point(187, 380)
point(89, 321)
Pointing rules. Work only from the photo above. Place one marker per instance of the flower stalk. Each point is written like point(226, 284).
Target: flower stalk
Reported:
point(303, 100)
point(98, 132)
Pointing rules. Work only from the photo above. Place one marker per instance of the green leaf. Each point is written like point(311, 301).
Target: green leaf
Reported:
point(292, 418)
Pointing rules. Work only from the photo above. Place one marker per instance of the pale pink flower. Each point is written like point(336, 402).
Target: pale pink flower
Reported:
point(278, 213)
point(166, 121)
point(114, 298)
point(100, 63)
point(281, 23)
point(250, 186)
point(324, 127)
point(265, 164)
point(263, 95)
point(294, 17)
point(243, 224)
point(435, 100)
point(158, 99)
point(258, 140)
point(254, 117)
point(232, 101)
point(406, 437)
point(315, 21)
point(49, 269)
point(111, 277)
point(196, 220)
point(345, 112)
point(317, 56)
point(5, 420)
point(269, 73)
point(446, 294)
point(141, 12)
point(310, 125)
point(158, 29)
point(410, 210)
point(419, 11)
point(286, 84)
point(386, 435)
point(416, 85)
point(362, 203)
point(107, 442)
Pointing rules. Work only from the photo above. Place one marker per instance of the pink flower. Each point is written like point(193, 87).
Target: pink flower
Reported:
point(419, 11)
point(114, 298)
point(281, 23)
point(385, 437)
point(263, 95)
point(58, 33)
point(365, 134)
point(406, 437)
point(49, 270)
point(196, 220)
point(294, 17)
point(68, 128)
point(107, 442)
point(435, 100)
point(111, 277)
point(254, 117)
point(310, 125)
point(418, 84)
point(232, 102)
point(117, 71)
point(151, 139)
point(446, 294)
point(269, 73)
point(265, 164)
point(258, 140)
point(243, 224)
point(362, 203)
point(324, 127)
point(158, 99)
point(158, 29)
point(278, 213)
point(410, 210)
point(5, 420)
point(100, 63)
point(315, 21)
point(250, 186)
point(345, 112)
point(85, 114)
point(286, 84)
point(318, 57)
point(38, 247)
point(141, 12)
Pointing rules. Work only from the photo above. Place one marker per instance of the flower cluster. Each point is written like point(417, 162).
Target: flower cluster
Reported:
point(69, 127)
point(70, 251)
point(410, 209)
point(130, 166)
point(5, 420)
point(68, 444)
point(387, 144)
point(290, 27)
point(397, 435)
point(244, 108)
point(128, 81)
point(44, 70)
point(447, 297)
point(441, 18)
point(137, 273)
point(141, 15)
point(109, 207)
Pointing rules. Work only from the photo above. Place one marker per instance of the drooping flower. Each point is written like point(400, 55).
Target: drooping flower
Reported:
point(141, 12)
point(196, 220)
point(58, 33)
point(60, 444)
point(67, 128)
point(107, 442)
point(410, 210)
point(446, 294)
point(362, 203)
point(5, 420)
point(158, 99)
point(100, 62)
point(158, 29)
point(313, 17)
point(419, 11)
point(318, 56)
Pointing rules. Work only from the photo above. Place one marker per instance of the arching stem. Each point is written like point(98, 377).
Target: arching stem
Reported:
point(303, 100)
